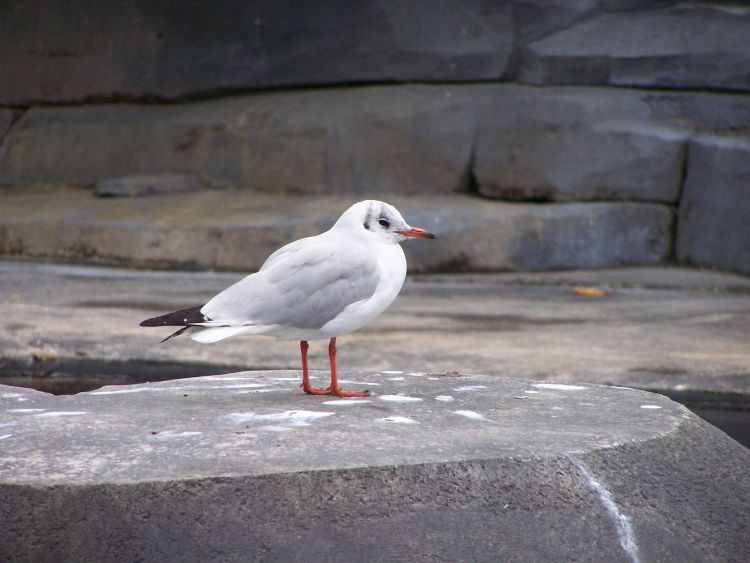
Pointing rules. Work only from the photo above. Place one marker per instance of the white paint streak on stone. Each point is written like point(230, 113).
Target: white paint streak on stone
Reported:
point(470, 388)
point(136, 390)
point(291, 418)
point(4, 436)
point(650, 407)
point(390, 372)
point(10, 395)
point(50, 414)
point(399, 420)
point(622, 522)
point(346, 402)
point(351, 382)
point(171, 434)
point(399, 398)
point(26, 410)
point(531, 392)
point(396, 379)
point(444, 398)
point(472, 415)
point(558, 386)
point(416, 374)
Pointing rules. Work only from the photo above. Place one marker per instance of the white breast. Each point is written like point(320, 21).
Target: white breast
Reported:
point(392, 269)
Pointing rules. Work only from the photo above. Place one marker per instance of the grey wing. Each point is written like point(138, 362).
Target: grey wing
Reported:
point(302, 285)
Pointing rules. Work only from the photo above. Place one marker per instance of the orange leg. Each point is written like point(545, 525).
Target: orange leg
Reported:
point(303, 345)
point(334, 388)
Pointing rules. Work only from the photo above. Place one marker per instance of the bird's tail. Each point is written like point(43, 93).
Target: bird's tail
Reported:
point(210, 335)
point(183, 317)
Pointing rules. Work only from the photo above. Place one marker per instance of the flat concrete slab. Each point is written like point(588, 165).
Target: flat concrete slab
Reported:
point(671, 329)
point(245, 466)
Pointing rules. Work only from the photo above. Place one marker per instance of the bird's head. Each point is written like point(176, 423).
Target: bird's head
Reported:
point(381, 220)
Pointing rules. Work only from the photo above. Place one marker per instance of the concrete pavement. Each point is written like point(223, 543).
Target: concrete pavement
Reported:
point(654, 328)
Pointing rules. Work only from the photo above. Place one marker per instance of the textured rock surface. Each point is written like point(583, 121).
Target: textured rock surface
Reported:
point(245, 465)
point(667, 329)
point(714, 213)
point(578, 144)
point(211, 229)
point(688, 46)
point(131, 186)
point(346, 140)
point(6, 117)
point(49, 53)
point(519, 142)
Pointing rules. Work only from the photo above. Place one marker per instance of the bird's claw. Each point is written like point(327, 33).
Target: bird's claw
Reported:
point(338, 392)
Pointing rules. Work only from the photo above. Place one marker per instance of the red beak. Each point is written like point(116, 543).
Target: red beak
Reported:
point(414, 232)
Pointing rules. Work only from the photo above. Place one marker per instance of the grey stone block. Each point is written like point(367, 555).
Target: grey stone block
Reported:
point(685, 46)
point(714, 213)
point(245, 466)
point(577, 144)
point(211, 229)
point(129, 186)
point(534, 19)
point(6, 118)
point(336, 141)
point(486, 236)
point(50, 52)
point(521, 142)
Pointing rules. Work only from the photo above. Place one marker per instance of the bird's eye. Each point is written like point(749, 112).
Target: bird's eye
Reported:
point(384, 223)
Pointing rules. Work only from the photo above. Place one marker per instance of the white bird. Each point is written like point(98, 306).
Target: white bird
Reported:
point(314, 288)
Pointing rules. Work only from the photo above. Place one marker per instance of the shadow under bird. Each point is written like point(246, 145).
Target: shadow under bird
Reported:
point(315, 288)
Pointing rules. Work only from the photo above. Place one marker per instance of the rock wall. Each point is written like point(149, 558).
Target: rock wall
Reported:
point(524, 100)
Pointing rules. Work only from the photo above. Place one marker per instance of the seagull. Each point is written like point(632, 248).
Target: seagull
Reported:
point(314, 288)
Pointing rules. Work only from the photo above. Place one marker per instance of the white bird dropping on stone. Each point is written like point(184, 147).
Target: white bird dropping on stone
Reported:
point(314, 288)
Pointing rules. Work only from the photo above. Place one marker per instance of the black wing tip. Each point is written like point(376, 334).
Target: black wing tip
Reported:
point(178, 333)
point(183, 317)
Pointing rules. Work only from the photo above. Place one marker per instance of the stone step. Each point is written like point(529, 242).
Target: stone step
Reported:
point(512, 141)
point(431, 466)
point(238, 230)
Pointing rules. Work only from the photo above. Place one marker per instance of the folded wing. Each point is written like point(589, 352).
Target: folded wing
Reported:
point(301, 286)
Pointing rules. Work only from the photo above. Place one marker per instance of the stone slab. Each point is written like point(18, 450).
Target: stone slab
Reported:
point(699, 46)
point(134, 186)
point(6, 118)
point(670, 329)
point(573, 146)
point(506, 141)
point(247, 464)
point(348, 140)
point(211, 229)
point(49, 53)
point(713, 228)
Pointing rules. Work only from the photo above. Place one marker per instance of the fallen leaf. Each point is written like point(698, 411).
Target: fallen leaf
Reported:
point(588, 292)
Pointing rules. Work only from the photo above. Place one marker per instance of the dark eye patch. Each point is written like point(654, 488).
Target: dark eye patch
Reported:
point(384, 223)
